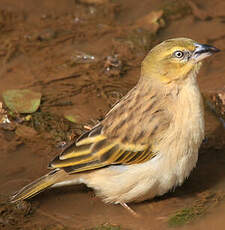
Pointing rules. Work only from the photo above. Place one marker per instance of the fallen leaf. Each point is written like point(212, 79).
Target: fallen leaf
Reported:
point(22, 100)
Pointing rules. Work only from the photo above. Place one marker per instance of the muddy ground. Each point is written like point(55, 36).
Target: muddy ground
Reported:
point(83, 56)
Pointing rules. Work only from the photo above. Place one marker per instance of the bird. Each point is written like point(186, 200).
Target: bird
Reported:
point(148, 143)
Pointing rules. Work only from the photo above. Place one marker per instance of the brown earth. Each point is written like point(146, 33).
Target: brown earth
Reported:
point(83, 56)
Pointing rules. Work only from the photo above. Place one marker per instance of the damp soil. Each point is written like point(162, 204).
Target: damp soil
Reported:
point(82, 56)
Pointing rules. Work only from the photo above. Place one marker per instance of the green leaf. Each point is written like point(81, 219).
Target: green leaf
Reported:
point(22, 100)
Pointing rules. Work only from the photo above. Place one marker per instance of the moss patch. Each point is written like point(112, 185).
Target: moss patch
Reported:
point(200, 207)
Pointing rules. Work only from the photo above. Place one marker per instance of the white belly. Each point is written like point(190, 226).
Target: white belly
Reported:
point(117, 184)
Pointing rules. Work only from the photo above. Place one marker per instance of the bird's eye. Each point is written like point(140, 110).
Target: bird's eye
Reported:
point(178, 54)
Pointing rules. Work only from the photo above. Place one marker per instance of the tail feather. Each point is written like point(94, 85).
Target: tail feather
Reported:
point(38, 185)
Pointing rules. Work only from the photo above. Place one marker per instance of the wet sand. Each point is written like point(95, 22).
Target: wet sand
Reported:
point(82, 58)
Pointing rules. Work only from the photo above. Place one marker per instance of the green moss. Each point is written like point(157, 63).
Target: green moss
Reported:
point(200, 207)
point(182, 217)
point(56, 126)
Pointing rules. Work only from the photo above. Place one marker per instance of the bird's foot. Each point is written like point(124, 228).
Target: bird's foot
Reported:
point(129, 209)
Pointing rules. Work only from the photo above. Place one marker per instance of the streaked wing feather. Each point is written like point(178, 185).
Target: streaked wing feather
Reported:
point(75, 151)
point(123, 137)
point(98, 151)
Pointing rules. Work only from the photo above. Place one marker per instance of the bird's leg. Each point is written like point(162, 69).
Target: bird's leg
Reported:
point(129, 209)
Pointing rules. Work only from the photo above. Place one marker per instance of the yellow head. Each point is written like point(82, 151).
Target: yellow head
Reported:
point(173, 59)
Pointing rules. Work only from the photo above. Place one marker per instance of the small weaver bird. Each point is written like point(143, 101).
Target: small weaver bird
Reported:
point(148, 142)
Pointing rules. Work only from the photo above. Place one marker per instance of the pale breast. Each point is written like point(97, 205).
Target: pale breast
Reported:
point(177, 154)
point(179, 147)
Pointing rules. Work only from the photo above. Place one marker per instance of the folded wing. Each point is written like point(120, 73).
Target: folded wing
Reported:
point(94, 150)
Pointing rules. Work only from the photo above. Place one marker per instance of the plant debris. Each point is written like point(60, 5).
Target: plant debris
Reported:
point(12, 215)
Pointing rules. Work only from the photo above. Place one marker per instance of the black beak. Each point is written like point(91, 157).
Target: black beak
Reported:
point(203, 48)
point(202, 51)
